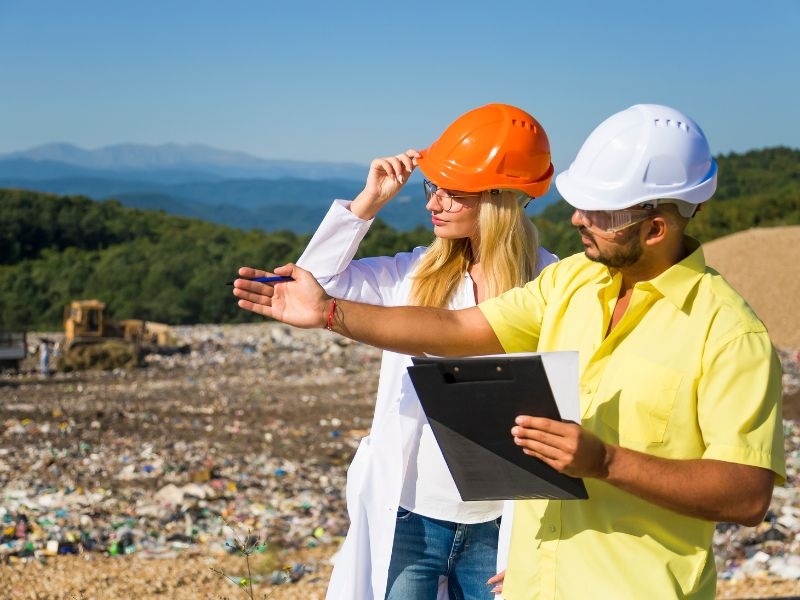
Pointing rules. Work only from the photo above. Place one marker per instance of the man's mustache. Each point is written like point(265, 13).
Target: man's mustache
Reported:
point(586, 233)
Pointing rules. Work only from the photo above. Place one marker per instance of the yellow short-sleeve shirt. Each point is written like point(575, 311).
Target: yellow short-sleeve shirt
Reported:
point(689, 372)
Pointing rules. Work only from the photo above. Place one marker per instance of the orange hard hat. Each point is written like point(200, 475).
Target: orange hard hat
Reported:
point(496, 146)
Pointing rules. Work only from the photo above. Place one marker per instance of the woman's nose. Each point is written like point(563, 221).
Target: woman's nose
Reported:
point(434, 204)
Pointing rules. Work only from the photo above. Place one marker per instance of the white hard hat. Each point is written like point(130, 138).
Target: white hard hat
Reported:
point(645, 153)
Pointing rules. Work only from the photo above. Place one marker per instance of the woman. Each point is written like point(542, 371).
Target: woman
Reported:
point(409, 529)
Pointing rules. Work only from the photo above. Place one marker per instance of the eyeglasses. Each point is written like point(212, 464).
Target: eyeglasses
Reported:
point(607, 223)
point(451, 202)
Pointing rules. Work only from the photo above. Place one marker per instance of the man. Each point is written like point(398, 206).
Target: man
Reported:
point(44, 358)
point(680, 387)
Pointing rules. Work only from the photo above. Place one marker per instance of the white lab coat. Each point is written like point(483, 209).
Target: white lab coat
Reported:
point(375, 476)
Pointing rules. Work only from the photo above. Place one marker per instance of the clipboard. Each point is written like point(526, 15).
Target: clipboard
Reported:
point(471, 404)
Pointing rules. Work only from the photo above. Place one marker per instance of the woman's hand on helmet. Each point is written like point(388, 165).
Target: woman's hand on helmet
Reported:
point(386, 177)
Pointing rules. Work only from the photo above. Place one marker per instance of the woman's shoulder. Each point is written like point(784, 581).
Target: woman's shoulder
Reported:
point(545, 258)
point(400, 265)
point(407, 261)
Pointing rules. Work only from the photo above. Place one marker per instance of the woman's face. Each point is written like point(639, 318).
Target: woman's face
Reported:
point(454, 214)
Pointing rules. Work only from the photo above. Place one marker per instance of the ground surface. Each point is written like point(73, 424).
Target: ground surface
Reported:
point(250, 434)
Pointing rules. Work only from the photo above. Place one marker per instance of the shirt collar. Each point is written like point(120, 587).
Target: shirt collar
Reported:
point(677, 283)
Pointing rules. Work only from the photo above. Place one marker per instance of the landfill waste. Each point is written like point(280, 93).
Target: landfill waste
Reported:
point(149, 482)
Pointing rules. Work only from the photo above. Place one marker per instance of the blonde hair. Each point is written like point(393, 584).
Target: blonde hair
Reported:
point(507, 252)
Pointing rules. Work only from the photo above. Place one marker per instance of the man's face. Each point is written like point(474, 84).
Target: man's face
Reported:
point(621, 250)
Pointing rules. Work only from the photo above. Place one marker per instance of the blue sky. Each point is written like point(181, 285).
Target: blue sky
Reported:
point(348, 81)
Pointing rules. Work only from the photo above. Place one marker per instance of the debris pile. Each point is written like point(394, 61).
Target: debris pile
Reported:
point(773, 547)
point(243, 441)
point(248, 434)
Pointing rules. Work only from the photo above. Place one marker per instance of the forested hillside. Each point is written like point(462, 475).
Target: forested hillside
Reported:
point(155, 266)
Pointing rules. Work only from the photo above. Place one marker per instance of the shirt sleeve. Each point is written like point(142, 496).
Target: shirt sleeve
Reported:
point(516, 315)
point(329, 257)
point(739, 403)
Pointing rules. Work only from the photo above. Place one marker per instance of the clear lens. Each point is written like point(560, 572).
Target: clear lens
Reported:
point(444, 198)
point(612, 221)
point(430, 189)
point(449, 201)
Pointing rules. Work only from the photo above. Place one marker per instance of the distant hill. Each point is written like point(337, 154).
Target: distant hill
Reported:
point(145, 264)
point(162, 267)
point(227, 188)
point(194, 158)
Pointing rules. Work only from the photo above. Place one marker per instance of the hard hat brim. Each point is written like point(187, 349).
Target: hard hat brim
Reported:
point(448, 177)
point(578, 196)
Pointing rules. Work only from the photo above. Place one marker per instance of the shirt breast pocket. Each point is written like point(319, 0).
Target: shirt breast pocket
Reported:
point(640, 402)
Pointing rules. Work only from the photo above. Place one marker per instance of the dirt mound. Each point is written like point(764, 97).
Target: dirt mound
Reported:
point(762, 264)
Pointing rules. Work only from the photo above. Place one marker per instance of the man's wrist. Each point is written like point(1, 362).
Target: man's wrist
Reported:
point(330, 313)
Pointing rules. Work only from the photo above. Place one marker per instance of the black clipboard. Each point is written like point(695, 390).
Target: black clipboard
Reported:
point(471, 403)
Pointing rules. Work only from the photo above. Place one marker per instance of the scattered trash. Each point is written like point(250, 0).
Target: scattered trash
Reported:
point(252, 430)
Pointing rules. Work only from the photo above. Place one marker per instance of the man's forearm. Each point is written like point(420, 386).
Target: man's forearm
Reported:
point(416, 330)
point(708, 489)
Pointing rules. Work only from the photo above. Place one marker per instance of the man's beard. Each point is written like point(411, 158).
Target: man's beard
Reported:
point(627, 249)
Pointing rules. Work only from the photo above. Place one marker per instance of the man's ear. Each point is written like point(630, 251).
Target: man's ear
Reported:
point(657, 229)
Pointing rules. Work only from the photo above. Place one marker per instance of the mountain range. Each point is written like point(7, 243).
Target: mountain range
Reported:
point(185, 162)
point(230, 188)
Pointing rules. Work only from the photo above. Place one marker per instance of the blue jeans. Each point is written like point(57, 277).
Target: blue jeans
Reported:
point(426, 548)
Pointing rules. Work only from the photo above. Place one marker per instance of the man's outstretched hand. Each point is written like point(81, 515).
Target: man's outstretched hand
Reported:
point(301, 303)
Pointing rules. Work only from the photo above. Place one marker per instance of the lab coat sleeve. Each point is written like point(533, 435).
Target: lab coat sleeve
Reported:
point(329, 257)
point(545, 257)
point(504, 538)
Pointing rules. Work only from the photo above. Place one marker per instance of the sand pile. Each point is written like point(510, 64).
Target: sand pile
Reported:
point(764, 266)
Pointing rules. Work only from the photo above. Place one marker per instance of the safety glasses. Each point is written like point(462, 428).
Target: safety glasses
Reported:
point(450, 202)
point(607, 223)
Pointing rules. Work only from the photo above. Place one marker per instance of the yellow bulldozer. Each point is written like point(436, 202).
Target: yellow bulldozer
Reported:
point(91, 340)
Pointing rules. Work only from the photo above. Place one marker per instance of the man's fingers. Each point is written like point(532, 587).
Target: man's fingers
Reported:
point(539, 449)
point(253, 287)
point(541, 423)
point(259, 309)
point(537, 440)
point(251, 272)
point(539, 435)
point(253, 297)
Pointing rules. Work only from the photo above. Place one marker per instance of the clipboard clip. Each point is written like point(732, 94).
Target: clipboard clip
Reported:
point(457, 372)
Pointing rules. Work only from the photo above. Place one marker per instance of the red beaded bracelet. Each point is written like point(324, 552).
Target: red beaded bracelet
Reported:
point(329, 321)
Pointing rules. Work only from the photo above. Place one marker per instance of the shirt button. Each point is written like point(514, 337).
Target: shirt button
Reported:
point(552, 528)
